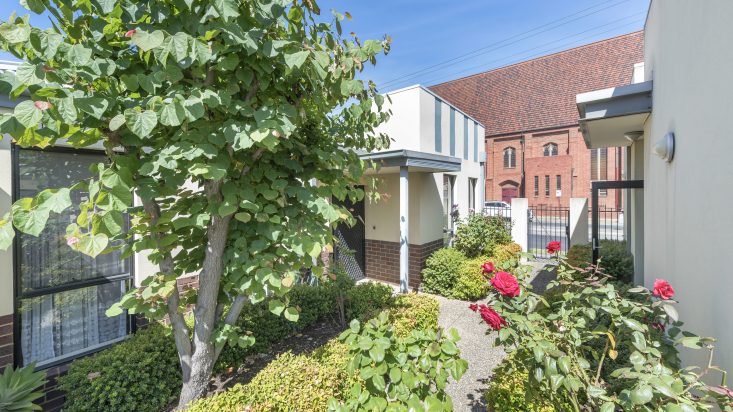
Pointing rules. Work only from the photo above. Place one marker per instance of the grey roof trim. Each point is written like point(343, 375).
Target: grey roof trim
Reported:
point(615, 101)
point(404, 157)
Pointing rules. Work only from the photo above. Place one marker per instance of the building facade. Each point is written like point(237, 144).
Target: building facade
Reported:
point(534, 147)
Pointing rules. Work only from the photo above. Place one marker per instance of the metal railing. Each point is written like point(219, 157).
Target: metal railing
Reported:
point(611, 223)
point(504, 213)
point(546, 224)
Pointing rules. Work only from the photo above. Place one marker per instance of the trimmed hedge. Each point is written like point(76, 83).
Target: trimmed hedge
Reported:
point(366, 300)
point(441, 271)
point(478, 235)
point(140, 374)
point(289, 383)
point(507, 391)
point(471, 283)
point(507, 256)
point(414, 311)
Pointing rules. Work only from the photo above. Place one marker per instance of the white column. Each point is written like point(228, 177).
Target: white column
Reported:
point(578, 221)
point(6, 256)
point(482, 183)
point(520, 226)
point(404, 229)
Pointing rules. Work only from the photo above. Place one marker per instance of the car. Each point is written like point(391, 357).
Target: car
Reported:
point(502, 209)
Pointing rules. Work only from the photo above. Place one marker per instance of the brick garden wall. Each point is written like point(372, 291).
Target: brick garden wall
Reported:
point(383, 260)
point(6, 341)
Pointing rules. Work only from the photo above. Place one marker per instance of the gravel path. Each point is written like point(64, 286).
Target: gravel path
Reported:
point(476, 347)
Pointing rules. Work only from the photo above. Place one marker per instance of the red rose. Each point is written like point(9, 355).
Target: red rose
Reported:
point(473, 307)
point(488, 267)
point(492, 318)
point(658, 326)
point(506, 284)
point(130, 33)
point(553, 247)
point(662, 289)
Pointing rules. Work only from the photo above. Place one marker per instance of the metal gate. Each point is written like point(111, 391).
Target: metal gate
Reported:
point(350, 242)
point(547, 223)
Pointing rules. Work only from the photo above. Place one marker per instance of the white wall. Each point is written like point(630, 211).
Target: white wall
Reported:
point(6, 257)
point(687, 203)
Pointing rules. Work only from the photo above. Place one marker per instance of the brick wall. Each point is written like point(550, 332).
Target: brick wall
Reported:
point(572, 163)
point(383, 260)
point(6, 341)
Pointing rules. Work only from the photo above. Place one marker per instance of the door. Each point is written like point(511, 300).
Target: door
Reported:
point(350, 248)
point(508, 193)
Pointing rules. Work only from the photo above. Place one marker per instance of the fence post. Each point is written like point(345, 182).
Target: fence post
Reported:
point(578, 221)
point(520, 228)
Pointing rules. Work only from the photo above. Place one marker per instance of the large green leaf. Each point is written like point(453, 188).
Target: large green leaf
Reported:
point(15, 33)
point(94, 106)
point(55, 200)
point(295, 60)
point(141, 122)
point(172, 114)
point(27, 114)
point(93, 245)
point(148, 41)
point(30, 74)
point(27, 218)
point(79, 55)
point(6, 232)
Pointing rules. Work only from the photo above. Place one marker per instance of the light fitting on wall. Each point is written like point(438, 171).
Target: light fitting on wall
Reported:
point(634, 136)
point(664, 147)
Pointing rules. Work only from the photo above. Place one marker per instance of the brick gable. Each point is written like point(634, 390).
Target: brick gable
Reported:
point(540, 93)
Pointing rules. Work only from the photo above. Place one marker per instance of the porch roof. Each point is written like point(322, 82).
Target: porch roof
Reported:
point(608, 115)
point(415, 160)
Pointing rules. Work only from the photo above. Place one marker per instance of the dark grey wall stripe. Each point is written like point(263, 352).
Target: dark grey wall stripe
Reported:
point(465, 137)
point(452, 131)
point(475, 142)
point(438, 128)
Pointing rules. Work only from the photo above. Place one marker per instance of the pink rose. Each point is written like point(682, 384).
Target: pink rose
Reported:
point(41, 105)
point(492, 318)
point(72, 240)
point(506, 284)
point(130, 33)
point(662, 289)
point(473, 307)
point(488, 267)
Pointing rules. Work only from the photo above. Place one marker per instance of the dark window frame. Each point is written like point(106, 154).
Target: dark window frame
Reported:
point(510, 157)
point(536, 186)
point(547, 185)
point(19, 295)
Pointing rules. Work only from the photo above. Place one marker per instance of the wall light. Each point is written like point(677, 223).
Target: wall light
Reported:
point(664, 147)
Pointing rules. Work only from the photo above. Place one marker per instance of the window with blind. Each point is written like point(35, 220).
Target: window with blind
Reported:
point(558, 182)
point(510, 158)
point(536, 185)
point(547, 185)
point(63, 294)
point(599, 164)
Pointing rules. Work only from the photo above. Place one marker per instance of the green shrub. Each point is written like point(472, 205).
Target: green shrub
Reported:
point(289, 383)
point(408, 373)
point(615, 259)
point(20, 387)
point(140, 374)
point(314, 302)
point(414, 311)
point(508, 390)
point(471, 283)
point(441, 271)
point(478, 235)
point(366, 300)
point(507, 256)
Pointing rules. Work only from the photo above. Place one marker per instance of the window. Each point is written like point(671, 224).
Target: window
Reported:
point(510, 158)
point(62, 294)
point(536, 185)
point(547, 185)
point(558, 182)
point(599, 167)
point(550, 149)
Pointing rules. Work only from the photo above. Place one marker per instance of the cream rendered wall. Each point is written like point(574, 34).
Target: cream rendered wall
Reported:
point(403, 126)
point(687, 203)
point(6, 256)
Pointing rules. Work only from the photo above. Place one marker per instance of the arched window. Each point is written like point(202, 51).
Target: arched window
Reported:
point(550, 149)
point(510, 158)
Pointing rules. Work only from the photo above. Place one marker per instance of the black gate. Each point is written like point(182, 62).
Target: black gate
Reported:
point(546, 224)
point(350, 243)
point(596, 234)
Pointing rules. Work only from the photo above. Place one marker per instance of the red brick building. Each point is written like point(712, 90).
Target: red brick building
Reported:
point(534, 148)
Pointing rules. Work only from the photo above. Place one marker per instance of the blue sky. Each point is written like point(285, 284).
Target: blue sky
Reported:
point(439, 40)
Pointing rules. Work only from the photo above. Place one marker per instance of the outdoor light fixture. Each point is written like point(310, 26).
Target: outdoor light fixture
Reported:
point(664, 147)
point(634, 136)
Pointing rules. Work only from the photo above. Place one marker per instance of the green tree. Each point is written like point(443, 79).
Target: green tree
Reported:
point(219, 116)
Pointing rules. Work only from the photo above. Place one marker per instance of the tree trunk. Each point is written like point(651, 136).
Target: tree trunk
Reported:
point(195, 387)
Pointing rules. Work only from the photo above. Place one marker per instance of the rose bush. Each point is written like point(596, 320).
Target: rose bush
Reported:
point(602, 347)
point(506, 284)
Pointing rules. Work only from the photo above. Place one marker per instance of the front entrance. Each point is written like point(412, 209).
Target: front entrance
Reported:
point(508, 193)
point(546, 224)
point(350, 249)
point(596, 233)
